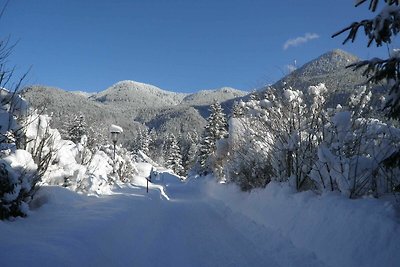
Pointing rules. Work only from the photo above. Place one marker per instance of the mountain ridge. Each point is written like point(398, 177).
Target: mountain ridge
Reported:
point(130, 103)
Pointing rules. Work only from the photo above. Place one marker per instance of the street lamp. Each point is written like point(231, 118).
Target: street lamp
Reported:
point(115, 132)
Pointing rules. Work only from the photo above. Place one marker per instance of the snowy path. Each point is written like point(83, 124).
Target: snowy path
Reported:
point(136, 229)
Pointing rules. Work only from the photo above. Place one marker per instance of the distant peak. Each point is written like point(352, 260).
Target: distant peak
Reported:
point(133, 85)
point(130, 83)
point(339, 54)
point(226, 89)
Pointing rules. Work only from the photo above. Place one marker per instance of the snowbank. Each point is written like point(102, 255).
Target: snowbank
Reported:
point(341, 232)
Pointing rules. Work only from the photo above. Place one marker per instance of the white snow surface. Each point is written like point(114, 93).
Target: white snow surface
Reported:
point(200, 223)
point(339, 231)
point(115, 129)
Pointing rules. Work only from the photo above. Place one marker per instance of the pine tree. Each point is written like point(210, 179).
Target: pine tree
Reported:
point(382, 30)
point(144, 141)
point(215, 129)
point(77, 128)
point(189, 149)
point(254, 96)
point(152, 140)
point(174, 161)
point(237, 109)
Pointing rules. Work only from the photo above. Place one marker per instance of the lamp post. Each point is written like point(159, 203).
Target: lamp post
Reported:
point(114, 138)
point(115, 132)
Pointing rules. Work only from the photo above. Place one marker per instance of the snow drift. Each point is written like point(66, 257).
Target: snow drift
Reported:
point(341, 232)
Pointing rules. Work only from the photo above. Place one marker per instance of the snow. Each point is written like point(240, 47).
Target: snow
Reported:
point(115, 129)
point(201, 223)
point(196, 222)
point(339, 231)
point(292, 95)
point(317, 89)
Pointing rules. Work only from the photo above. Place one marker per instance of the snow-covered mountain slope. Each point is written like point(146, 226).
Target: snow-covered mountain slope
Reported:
point(205, 97)
point(330, 69)
point(139, 95)
point(82, 93)
point(63, 106)
point(128, 103)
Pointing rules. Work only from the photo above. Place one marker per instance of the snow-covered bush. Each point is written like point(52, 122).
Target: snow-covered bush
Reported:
point(276, 138)
point(74, 165)
point(40, 140)
point(355, 151)
point(291, 136)
point(244, 159)
point(122, 166)
point(18, 177)
point(352, 157)
point(18, 172)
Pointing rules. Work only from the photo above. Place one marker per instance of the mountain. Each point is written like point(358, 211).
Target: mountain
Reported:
point(82, 93)
point(63, 106)
point(329, 68)
point(138, 94)
point(205, 97)
point(131, 105)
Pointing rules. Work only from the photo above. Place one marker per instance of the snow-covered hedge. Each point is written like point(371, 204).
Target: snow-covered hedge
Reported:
point(292, 136)
point(74, 165)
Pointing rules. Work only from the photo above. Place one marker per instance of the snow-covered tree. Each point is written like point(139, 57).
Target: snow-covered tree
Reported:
point(291, 136)
point(123, 165)
point(174, 161)
point(153, 142)
point(354, 154)
point(276, 139)
point(18, 172)
point(157, 149)
point(77, 128)
point(189, 148)
point(381, 29)
point(143, 141)
point(238, 109)
point(215, 129)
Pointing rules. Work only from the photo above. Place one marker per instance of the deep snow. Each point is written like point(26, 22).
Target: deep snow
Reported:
point(201, 223)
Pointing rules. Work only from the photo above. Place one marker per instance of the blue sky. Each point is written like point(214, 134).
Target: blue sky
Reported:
point(177, 45)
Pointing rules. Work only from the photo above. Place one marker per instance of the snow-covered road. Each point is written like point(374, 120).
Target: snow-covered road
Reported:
point(133, 228)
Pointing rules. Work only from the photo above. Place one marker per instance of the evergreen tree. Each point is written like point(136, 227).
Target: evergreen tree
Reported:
point(152, 140)
point(77, 128)
point(144, 141)
point(381, 30)
point(237, 109)
point(189, 149)
point(174, 161)
point(254, 96)
point(215, 129)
